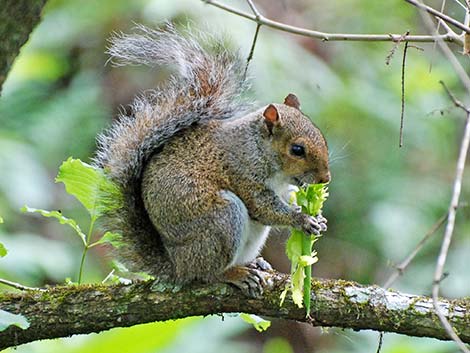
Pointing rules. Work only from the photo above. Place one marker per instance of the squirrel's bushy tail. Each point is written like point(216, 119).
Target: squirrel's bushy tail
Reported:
point(208, 84)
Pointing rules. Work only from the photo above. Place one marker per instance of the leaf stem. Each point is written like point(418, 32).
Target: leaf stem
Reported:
point(85, 249)
point(307, 250)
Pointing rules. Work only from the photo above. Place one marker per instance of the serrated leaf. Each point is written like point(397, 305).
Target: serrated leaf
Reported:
point(3, 250)
point(301, 199)
point(57, 215)
point(297, 286)
point(294, 245)
point(95, 191)
point(306, 260)
point(283, 295)
point(258, 323)
point(8, 319)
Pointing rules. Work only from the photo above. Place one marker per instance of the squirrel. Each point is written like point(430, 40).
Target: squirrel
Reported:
point(202, 174)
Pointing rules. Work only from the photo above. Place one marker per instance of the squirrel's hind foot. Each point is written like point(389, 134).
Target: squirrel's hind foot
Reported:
point(249, 280)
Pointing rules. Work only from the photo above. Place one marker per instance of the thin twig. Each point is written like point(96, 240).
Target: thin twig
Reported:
point(108, 276)
point(439, 23)
point(440, 15)
point(457, 185)
point(441, 260)
point(252, 50)
point(461, 5)
point(460, 71)
point(255, 38)
point(392, 51)
point(402, 115)
point(454, 99)
point(19, 286)
point(448, 37)
point(381, 340)
point(253, 8)
point(446, 27)
point(466, 40)
point(402, 266)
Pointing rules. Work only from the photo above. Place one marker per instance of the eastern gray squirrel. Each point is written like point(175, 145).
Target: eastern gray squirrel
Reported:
point(201, 172)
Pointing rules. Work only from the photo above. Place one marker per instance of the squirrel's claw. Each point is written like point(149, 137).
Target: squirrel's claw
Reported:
point(322, 222)
point(260, 264)
point(250, 281)
point(310, 224)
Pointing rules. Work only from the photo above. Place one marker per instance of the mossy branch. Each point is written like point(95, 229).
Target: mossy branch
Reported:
point(67, 310)
point(17, 20)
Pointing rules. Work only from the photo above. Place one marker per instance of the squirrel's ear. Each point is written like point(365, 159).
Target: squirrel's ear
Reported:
point(271, 117)
point(292, 101)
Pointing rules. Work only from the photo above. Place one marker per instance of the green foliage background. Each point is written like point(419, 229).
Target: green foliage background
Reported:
point(383, 199)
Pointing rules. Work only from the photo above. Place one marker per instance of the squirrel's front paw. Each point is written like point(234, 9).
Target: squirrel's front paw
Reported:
point(250, 281)
point(311, 225)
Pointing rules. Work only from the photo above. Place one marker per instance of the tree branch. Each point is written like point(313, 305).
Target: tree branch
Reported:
point(17, 20)
point(261, 20)
point(64, 311)
point(440, 15)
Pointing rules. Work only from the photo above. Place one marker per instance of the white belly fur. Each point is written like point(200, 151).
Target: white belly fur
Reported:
point(255, 234)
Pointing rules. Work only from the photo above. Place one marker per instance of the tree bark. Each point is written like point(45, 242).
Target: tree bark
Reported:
point(67, 310)
point(17, 20)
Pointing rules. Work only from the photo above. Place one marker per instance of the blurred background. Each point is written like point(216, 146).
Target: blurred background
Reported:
point(383, 199)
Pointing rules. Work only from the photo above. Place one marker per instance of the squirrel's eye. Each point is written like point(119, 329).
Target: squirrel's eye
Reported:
point(297, 150)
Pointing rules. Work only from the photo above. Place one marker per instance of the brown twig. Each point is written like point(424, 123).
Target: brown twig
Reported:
point(457, 185)
point(439, 23)
point(19, 286)
point(401, 267)
point(255, 38)
point(441, 260)
point(459, 70)
point(453, 98)
point(448, 37)
point(381, 340)
point(440, 15)
point(402, 115)
point(392, 51)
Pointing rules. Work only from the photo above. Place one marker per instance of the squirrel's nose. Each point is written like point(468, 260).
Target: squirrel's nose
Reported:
point(323, 179)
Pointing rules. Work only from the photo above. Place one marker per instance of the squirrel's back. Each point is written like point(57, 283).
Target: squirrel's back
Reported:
point(208, 84)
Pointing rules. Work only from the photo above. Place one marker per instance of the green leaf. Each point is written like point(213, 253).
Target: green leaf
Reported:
point(283, 295)
point(8, 319)
point(96, 192)
point(115, 239)
point(294, 245)
point(57, 215)
point(258, 323)
point(301, 198)
point(294, 248)
point(3, 250)
point(306, 260)
point(297, 286)
point(1, 220)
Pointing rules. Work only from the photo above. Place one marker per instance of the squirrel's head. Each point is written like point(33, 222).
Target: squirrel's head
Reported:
point(299, 144)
